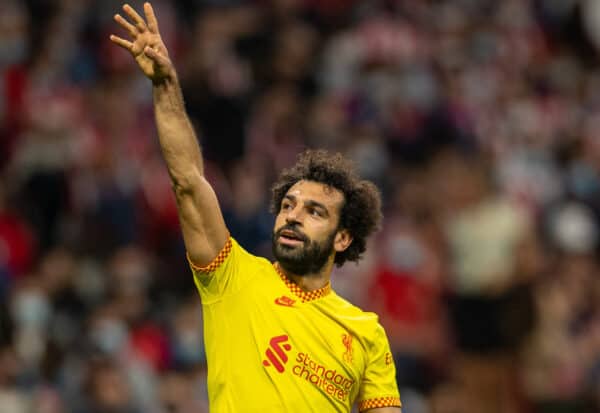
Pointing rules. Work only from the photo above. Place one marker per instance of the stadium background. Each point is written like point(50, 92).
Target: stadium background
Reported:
point(478, 119)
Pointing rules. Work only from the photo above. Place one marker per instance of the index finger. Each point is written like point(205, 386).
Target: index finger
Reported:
point(151, 18)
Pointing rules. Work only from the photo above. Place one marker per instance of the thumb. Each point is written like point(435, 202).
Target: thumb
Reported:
point(155, 56)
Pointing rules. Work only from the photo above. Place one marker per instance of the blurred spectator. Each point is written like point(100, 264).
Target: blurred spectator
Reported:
point(17, 243)
point(108, 390)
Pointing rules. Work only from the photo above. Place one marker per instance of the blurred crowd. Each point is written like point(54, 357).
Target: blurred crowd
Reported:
point(476, 118)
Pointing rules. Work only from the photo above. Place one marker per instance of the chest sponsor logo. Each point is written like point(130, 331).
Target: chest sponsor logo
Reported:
point(277, 353)
point(285, 301)
point(330, 381)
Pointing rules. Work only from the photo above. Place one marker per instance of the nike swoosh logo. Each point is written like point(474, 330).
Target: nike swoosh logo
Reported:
point(285, 301)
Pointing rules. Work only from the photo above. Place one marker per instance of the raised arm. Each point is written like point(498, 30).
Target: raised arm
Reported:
point(202, 223)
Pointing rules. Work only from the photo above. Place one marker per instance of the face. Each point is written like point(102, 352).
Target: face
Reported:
point(306, 234)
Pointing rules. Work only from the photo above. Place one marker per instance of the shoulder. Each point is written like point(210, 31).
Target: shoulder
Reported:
point(346, 307)
point(233, 258)
point(238, 254)
point(364, 323)
point(230, 270)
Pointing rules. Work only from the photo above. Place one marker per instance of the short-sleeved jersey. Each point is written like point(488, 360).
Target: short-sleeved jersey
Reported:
point(272, 347)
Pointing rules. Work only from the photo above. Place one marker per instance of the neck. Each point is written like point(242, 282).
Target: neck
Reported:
point(312, 281)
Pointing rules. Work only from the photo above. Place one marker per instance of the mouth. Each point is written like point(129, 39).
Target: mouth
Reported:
point(289, 237)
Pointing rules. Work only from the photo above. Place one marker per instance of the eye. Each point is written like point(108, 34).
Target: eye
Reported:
point(285, 206)
point(315, 212)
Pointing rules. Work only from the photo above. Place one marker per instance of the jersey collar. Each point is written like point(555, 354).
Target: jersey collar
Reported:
point(304, 296)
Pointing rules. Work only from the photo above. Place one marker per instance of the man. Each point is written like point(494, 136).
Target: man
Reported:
point(278, 339)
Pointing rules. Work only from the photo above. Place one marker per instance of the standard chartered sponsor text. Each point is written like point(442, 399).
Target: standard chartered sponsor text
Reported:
point(329, 381)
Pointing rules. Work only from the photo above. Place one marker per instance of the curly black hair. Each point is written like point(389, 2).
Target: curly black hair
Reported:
point(361, 212)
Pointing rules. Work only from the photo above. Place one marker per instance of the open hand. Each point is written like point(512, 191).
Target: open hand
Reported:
point(146, 45)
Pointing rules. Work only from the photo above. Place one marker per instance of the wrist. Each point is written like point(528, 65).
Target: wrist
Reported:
point(167, 81)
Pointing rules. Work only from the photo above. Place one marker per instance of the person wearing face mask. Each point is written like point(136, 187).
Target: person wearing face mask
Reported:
point(277, 337)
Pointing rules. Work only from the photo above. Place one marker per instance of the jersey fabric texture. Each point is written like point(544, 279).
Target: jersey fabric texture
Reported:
point(272, 347)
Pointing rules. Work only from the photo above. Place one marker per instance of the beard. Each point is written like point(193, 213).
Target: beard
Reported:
point(308, 258)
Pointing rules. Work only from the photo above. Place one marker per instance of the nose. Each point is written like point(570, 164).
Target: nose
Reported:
point(291, 221)
point(294, 216)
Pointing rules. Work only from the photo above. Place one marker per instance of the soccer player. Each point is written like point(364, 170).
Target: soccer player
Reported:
point(278, 338)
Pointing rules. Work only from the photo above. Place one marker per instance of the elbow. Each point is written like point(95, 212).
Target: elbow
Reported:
point(180, 188)
point(185, 184)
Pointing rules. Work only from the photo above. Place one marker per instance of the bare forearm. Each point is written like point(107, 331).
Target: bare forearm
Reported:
point(177, 139)
point(202, 223)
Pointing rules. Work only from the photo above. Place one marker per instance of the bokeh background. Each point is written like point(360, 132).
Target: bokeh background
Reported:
point(478, 119)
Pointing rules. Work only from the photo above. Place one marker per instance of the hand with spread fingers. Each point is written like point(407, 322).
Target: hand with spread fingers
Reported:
point(146, 45)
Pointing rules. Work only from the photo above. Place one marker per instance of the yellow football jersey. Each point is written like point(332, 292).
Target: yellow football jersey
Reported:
point(272, 347)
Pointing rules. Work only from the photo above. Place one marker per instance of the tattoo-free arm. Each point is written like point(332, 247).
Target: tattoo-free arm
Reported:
point(202, 223)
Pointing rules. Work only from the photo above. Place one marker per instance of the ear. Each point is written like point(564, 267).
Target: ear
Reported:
point(342, 240)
